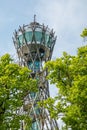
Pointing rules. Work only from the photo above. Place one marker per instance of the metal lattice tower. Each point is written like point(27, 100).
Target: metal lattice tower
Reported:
point(34, 44)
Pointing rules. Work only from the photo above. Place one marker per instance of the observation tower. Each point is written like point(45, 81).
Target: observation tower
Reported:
point(34, 44)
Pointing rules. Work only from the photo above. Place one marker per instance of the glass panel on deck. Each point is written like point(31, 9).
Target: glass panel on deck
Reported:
point(38, 36)
point(46, 38)
point(49, 41)
point(20, 40)
point(28, 36)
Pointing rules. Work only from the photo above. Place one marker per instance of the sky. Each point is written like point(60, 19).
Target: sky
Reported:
point(67, 17)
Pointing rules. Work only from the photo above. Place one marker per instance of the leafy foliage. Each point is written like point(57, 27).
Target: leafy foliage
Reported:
point(15, 83)
point(84, 33)
point(69, 73)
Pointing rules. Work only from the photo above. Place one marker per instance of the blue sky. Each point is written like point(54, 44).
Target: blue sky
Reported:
point(66, 17)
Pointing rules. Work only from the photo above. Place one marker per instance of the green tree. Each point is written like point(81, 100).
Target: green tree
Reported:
point(15, 83)
point(69, 74)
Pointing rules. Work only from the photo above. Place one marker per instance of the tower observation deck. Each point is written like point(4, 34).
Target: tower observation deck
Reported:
point(34, 44)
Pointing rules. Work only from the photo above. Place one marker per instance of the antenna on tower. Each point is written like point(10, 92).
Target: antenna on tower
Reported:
point(34, 18)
